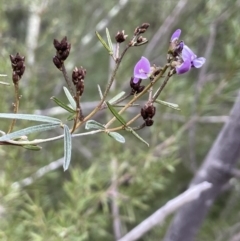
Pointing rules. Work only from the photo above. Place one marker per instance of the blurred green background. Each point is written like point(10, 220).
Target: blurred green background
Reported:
point(49, 204)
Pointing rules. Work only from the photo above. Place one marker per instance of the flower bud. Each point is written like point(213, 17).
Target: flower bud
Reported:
point(120, 36)
point(57, 62)
point(18, 66)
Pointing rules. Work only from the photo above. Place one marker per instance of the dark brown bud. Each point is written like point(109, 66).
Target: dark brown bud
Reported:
point(63, 48)
point(140, 89)
point(145, 25)
point(78, 75)
point(141, 29)
point(144, 113)
point(148, 111)
point(149, 122)
point(120, 36)
point(18, 66)
point(57, 62)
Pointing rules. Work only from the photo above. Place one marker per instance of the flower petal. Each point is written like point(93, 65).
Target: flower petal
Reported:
point(175, 35)
point(142, 69)
point(187, 51)
point(135, 80)
point(198, 62)
point(184, 67)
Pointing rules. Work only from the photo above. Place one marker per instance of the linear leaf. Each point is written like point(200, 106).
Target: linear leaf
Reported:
point(117, 137)
point(92, 124)
point(29, 130)
point(109, 41)
point(171, 105)
point(117, 97)
point(32, 147)
point(67, 147)
point(63, 105)
point(100, 92)
point(70, 98)
point(71, 117)
point(103, 42)
point(40, 118)
point(115, 113)
point(136, 134)
point(4, 83)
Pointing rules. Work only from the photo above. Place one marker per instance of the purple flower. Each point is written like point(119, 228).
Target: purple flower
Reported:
point(175, 35)
point(190, 60)
point(142, 70)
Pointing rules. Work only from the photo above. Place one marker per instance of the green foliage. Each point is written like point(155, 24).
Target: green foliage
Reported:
point(76, 205)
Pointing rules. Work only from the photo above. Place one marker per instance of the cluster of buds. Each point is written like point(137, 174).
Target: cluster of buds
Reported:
point(141, 29)
point(147, 113)
point(18, 66)
point(136, 87)
point(63, 50)
point(120, 36)
point(78, 76)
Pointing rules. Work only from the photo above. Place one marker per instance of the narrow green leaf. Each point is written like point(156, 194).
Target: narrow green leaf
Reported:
point(4, 83)
point(136, 134)
point(100, 92)
point(117, 97)
point(92, 124)
point(71, 117)
point(29, 130)
point(67, 147)
point(109, 41)
point(103, 42)
point(117, 137)
point(171, 105)
point(32, 147)
point(70, 98)
point(40, 118)
point(63, 105)
point(115, 113)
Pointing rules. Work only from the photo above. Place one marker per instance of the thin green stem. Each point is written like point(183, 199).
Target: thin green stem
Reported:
point(67, 79)
point(16, 105)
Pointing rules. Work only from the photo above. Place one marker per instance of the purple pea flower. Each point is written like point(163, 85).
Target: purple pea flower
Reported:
point(190, 60)
point(142, 70)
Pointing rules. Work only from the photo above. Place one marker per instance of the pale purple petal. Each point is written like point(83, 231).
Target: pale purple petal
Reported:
point(135, 80)
point(198, 62)
point(142, 69)
point(187, 50)
point(175, 35)
point(184, 67)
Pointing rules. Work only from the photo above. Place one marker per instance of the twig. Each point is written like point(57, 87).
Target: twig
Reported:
point(171, 206)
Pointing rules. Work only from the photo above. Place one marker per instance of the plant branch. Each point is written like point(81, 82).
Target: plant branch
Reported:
point(171, 206)
point(67, 79)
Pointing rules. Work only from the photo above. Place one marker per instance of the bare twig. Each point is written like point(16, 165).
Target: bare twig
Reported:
point(171, 206)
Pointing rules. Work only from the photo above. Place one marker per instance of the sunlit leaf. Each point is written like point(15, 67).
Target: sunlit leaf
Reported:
point(29, 130)
point(171, 105)
point(116, 98)
point(103, 42)
point(40, 118)
point(115, 113)
point(67, 147)
point(92, 124)
point(70, 98)
point(117, 137)
point(63, 105)
point(109, 41)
